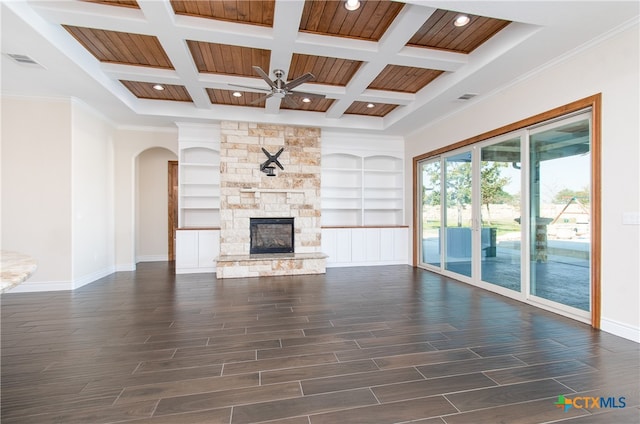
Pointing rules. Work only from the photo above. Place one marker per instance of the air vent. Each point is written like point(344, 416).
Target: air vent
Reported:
point(467, 96)
point(23, 59)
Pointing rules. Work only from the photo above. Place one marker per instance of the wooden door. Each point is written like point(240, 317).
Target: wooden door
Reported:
point(173, 207)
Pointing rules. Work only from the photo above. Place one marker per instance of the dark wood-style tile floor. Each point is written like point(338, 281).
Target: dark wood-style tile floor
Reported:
point(357, 345)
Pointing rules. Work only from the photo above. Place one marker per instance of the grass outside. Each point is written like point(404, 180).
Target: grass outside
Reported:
point(503, 227)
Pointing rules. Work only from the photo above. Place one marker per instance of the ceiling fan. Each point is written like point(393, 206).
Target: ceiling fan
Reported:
point(280, 89)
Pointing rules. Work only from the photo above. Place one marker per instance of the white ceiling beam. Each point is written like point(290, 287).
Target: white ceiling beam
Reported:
point(286, 21)
point(93, 15)
point(222, 32)
point(160, 16)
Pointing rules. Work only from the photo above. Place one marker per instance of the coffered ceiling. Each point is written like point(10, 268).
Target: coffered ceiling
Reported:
point(388, 66)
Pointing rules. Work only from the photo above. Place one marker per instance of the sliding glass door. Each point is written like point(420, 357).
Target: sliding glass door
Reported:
point(560, 161)
point(458, 213)
point(501, 232)
point(512, 214)
point(446, 213)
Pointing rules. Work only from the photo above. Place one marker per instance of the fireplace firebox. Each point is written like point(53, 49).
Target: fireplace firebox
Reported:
point(271, 235)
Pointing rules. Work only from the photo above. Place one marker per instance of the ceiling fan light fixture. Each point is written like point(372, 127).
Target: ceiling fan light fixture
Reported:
point(237, 94)
point(158, 87)
point(352, 5)
point(461, 20)
point(279, 88)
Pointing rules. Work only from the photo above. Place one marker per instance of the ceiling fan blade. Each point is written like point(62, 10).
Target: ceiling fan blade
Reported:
point(305, 94)
point(264, 76)
point(261, 98)
point(296, 82)
point(252, 88)
point(290, 102)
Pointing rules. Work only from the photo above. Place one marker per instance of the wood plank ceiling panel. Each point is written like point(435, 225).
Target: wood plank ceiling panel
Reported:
point(246, 11)
point(403, 78)
point(122, 47)
point(226, 97)
point(145, 90)
point(327, 70)
point(362, 108)
point(315, 105)
point(439, 32)
point(227, 59)
point(369, 22)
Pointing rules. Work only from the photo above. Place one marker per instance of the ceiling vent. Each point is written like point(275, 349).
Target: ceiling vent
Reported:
point(23, 59)
point(467, 96)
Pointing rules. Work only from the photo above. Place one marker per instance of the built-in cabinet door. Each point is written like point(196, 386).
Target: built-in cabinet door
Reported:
point(365, 246)
point(343, 246)
point(208, 248)
point(197, 250)
point(186, 249)
point(358, 245)
point(372, 244)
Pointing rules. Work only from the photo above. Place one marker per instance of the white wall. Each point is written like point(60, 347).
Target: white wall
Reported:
point(36, 185)
point(610, 68)
point(151, 204)
point(129, 143)
point(56, 190)
point(92, 196)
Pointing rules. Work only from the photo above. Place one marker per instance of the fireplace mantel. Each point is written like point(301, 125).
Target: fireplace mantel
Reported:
point(268, 190)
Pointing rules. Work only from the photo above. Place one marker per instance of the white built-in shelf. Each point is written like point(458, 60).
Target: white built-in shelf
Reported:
point(362, 190)
point(199, 186)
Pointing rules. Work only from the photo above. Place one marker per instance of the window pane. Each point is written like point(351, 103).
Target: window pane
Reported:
point(458, 215)
point(431, 213)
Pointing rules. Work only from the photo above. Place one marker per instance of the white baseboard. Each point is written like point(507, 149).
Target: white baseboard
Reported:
point(94, 276)
point(41, 286)
point(45, 286)
point(152, 258)
point(620, 329)
point(125, 267)
point(195, 270)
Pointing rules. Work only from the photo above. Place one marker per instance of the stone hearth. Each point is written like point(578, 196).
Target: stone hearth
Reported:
point(247, 192)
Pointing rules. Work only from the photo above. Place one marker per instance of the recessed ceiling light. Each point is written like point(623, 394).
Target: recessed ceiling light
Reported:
point(370, 105)
point(158, 87)
point(237, 94)
point(306, 100)
point(352, 5)
point(461, 20)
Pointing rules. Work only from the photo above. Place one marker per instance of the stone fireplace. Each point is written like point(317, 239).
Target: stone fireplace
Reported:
point(247, 192)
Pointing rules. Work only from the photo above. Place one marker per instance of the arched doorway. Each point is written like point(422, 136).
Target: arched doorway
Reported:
point(151, 199)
